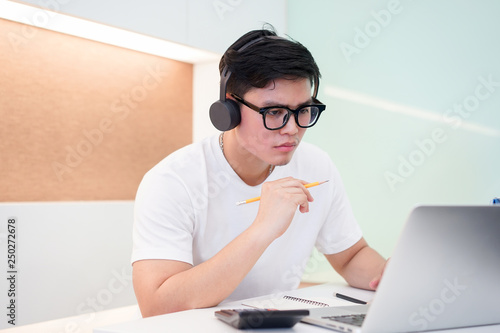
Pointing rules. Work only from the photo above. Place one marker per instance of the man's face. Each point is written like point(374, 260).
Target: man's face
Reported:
point(274, 147)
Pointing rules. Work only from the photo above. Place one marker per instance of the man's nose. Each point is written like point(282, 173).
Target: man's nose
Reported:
point(291, 126)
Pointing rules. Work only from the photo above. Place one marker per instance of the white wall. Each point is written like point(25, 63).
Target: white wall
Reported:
point(205, 92)
point(69, 259)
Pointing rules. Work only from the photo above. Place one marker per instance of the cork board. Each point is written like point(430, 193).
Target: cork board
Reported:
point(82, 120)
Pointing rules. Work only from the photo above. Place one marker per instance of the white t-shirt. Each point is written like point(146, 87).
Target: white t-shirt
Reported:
point(186, 210)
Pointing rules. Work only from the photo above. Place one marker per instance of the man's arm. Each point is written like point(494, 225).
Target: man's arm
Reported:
point(163, 286)
point(360, 265)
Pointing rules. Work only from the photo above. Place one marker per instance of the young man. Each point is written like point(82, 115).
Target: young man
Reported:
point(193, 246)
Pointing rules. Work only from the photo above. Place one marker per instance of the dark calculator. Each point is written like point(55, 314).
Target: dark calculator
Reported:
point(259, 318)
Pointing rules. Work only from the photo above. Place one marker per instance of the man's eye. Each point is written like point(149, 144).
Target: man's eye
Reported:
point(276, 112)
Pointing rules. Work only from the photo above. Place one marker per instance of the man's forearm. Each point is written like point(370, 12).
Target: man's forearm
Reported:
point(211, 282)
point(366, 265)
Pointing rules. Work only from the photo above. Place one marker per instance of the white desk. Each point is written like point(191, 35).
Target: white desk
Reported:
point(203, 320)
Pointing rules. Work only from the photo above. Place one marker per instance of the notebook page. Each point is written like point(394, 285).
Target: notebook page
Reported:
point(288, 302)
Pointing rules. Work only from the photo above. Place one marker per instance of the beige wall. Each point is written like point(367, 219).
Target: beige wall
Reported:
point(80, 120)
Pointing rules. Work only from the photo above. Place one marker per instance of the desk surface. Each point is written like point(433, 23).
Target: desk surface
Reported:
point(203, 320)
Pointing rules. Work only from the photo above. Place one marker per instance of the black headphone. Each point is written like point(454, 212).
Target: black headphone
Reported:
point(225, 113)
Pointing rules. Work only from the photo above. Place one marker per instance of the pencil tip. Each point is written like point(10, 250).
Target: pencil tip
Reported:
point(240, 203)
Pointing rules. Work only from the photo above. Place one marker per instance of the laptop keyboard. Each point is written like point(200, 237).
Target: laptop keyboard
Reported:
point(355, 319)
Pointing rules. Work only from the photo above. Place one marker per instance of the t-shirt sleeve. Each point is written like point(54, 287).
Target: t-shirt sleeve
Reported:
point(341, 230)
point(163, 219)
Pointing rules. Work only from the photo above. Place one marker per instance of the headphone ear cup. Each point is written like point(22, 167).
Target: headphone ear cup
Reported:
point(225, 115)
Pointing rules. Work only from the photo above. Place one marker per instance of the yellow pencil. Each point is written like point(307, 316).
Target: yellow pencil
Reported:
point(258, 198)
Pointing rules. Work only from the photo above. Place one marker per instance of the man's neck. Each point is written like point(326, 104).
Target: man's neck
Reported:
point(249, 168)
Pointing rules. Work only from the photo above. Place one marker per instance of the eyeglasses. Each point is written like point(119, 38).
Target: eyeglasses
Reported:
point(276, 117)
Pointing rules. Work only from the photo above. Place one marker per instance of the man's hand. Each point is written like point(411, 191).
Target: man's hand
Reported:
point(358, 265)
point(376, 281)
point(279, 202)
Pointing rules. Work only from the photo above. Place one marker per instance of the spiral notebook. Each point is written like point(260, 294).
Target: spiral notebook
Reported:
point(288, 302)
point(320, 299)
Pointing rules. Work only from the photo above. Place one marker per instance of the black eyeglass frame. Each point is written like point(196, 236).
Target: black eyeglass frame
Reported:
point(263, 111)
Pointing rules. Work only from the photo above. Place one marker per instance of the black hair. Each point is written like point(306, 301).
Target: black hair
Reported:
point(269, 58)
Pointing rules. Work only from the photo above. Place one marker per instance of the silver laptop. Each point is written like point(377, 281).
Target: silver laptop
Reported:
point(445, 273)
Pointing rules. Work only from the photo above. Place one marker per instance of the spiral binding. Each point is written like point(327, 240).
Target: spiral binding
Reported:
point(306, 301)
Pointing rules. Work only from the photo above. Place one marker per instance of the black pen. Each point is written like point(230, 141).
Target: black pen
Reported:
point(350, 299)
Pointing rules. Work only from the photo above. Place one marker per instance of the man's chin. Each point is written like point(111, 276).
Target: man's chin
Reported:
point(282, 162)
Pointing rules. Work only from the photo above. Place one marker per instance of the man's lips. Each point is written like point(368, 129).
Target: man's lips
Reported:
point(286, 147)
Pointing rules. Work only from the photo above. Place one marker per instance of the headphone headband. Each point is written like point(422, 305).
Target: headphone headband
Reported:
point(224, 77)
point(226, 73)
